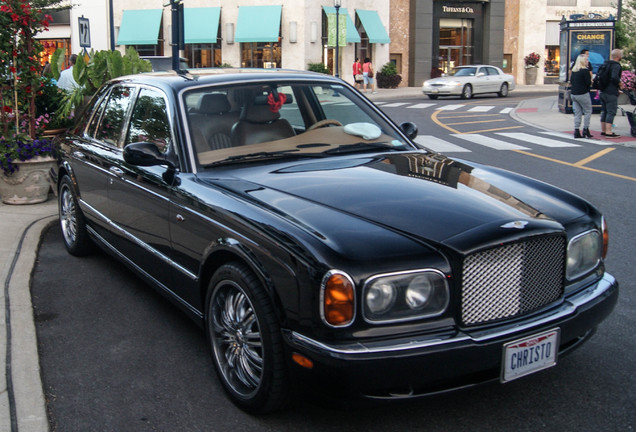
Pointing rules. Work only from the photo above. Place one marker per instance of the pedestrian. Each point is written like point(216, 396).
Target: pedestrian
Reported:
point(66, 81)
point(368, 75)
point(609, 95)
point(581, 81)
point(357, 73)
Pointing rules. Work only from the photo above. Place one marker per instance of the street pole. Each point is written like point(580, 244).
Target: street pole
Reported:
point(337, 6)
point(174, 8)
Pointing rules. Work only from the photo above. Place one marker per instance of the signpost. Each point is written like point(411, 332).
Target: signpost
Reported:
point(84, 32)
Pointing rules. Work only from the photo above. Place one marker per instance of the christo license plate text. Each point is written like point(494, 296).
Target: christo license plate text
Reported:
point(529, 355)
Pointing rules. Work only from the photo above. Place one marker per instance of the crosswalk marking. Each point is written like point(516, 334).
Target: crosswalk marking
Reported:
point(506, 110)
point(449, 107)
point(395, 104)
point(493, 143)
point(539, 140)
point(585, 140)
point(439, 145)
point(422, 105)
point(481, 108)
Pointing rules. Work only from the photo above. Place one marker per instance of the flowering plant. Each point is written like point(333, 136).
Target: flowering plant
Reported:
point(532, 59)
point(628, 78)
point(20, 127)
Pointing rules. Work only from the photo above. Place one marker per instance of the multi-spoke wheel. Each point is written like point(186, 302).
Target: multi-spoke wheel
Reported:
point(245, 339)
point(503, 91)
point(467, 92)
point(72, 220)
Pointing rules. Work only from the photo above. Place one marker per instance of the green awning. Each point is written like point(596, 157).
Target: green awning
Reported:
point(201, 25)
point(258, 24)
point(352, 33)
point(373, 26)
point(140, 27)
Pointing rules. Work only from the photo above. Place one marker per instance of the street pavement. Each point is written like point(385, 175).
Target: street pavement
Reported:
point(22, 401)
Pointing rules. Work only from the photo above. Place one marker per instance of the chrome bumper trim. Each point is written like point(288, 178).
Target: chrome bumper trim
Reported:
point(569, 307)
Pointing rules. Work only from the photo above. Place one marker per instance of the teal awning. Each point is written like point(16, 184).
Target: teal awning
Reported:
point(352, 33)
point(258, 24)
point(140, 27)
point(373, 26)
point(201, 25)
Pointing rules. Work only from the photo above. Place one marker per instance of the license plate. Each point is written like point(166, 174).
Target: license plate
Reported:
point(529, 355)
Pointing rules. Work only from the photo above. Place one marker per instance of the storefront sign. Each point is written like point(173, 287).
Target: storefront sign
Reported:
point(454, 9)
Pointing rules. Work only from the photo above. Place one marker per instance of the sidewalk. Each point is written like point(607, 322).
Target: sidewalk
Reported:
point(22, 402)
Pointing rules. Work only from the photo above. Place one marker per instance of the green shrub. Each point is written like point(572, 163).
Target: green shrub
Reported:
point(317, 67)
point(388, 76)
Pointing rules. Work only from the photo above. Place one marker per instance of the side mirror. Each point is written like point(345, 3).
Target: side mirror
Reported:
point(145, 154)
point(481, 74)
point(410, 129)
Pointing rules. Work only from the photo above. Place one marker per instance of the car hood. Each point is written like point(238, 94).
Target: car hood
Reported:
point(418, 194)
point(448, 79)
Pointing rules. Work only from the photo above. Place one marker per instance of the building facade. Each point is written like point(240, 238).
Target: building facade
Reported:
point(423, 38)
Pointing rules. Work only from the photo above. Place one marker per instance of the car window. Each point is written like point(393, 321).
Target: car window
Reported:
point(149, 120)
point(276, 119)
point(114, 116)
point(492, 71)
point(467, 71)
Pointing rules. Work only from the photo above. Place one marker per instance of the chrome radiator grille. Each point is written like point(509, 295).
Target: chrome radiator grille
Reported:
point(512, 280)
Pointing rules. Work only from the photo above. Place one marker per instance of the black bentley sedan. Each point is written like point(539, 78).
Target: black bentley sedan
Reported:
point(317, 245)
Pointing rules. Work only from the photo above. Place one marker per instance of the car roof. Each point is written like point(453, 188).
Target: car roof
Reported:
point(176, 81)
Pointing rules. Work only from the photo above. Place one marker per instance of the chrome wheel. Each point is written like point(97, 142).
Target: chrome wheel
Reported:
point(467, 92)
point(68, 218)
point(503, 92)
point(236, 339)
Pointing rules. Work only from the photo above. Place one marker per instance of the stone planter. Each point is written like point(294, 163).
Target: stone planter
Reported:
point(531, 75)
point(30, 184)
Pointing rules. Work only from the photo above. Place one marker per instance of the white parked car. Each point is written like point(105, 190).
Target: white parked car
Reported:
point(469, 80)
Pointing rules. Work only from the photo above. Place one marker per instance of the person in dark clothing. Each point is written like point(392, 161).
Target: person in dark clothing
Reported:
point(609, 95)
point(580, 94)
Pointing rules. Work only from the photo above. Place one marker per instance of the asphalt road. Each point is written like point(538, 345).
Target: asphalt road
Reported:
point(116, 356)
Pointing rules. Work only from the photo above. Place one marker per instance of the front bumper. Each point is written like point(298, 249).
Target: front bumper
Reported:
point(431, 364)
point(442, 90)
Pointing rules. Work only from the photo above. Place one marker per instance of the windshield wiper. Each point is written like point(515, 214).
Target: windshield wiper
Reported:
point(262, 156)
point(363, 146)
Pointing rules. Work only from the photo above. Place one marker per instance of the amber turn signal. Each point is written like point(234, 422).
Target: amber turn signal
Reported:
point(338, 300)
point(302, 360)
point(605, 238)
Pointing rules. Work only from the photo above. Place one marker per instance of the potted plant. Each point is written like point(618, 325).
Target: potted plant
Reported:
point(388, 76)
point(25, 155)
point(532, 65)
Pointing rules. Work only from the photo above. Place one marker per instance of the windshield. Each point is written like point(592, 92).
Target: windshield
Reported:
point(464, 71)
point(245, 123)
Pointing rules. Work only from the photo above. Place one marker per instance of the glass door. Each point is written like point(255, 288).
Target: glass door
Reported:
point(456, 43)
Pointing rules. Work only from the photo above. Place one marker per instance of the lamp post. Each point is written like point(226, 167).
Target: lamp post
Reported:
point(337, 4)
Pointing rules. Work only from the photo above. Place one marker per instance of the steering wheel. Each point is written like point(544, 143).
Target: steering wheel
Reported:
point(323, 123)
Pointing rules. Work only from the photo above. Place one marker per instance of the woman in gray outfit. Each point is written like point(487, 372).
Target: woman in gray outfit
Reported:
point(580, 81)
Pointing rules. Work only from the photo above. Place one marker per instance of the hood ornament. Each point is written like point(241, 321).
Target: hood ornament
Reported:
point(515, 224)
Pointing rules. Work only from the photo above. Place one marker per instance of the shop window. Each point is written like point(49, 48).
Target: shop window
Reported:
point(261, 55)
point(203, 55)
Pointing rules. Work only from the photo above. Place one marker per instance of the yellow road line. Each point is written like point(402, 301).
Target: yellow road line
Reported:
point(594, 156)
point(492, 130)
point(459, 115)
point(575, 165)
point(439, 123)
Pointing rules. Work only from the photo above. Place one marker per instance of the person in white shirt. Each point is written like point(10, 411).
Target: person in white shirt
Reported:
point(66, 81)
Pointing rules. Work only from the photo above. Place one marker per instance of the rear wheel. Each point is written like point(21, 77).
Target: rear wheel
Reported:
point(467, 92)
point(432, 97)
point(246, 341)
point(72, 220)
point(503, 91)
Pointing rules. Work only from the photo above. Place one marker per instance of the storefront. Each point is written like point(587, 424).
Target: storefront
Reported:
point(450, 33)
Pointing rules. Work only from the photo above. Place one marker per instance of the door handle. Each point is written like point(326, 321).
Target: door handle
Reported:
point(78, 154)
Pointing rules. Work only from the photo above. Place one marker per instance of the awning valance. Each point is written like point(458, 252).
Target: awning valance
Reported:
point(140, 27)
point(201, 25)
point(258, 24)
point(373, 26)
point(352, 33)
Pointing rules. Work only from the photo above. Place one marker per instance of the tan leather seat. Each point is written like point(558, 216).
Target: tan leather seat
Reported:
point(260, 124)
point(212, 122)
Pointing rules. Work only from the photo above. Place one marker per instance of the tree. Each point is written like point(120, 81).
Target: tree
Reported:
point(625, 37)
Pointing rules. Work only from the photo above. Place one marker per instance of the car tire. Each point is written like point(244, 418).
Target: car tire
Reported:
point(434, 97)
point(503, 91)
point(467, 92)
point(72, 220)
point(245, 340)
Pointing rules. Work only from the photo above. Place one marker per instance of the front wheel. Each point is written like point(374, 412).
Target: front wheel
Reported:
point(246, 341)
point(467, 92)
point(432, 96)
point(503, 91)
point(72, 220)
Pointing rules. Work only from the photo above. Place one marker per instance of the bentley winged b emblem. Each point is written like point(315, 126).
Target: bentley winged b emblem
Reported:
point(515, 224)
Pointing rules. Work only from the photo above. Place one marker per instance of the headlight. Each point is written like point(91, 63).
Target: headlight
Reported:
point(584, 254)
point(405, 296)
